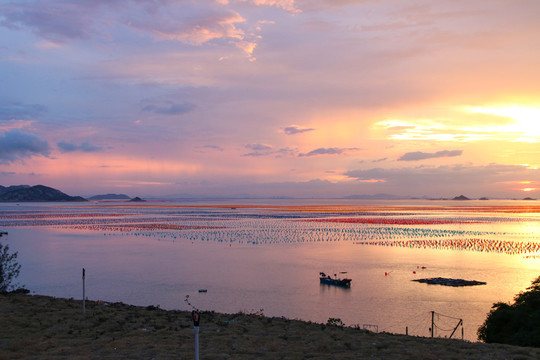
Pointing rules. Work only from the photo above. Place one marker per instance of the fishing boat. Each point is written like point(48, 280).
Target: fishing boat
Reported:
point(329, 280)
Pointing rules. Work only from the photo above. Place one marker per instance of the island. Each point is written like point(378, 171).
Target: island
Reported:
point(449, 282)
point(37, 193)
point(109, 197)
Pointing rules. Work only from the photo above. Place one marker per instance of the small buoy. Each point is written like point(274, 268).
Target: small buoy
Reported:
point(414, 272)
point(203, 290)
point(385, 274)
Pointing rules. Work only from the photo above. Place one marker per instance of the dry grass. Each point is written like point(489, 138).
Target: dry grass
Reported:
point(39, 327)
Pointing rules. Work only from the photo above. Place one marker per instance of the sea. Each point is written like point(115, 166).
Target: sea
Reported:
point(265, 256)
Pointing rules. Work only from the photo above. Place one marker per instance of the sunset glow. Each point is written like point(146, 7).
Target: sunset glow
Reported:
point(271, 98)
point(525, 121)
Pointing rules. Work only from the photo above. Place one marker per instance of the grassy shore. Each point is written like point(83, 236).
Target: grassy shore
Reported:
point(40, 327)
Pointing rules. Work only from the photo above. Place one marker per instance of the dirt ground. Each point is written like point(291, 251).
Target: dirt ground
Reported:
point(40, 327)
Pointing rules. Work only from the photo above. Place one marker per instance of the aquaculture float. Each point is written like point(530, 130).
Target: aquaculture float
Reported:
point(336, 281)
point(450, 282)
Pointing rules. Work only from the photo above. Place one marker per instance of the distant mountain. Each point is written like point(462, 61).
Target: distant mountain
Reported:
point(136, 198)
point(461, 197)
point(4, 189)
point(109, 197)
point(37, 193)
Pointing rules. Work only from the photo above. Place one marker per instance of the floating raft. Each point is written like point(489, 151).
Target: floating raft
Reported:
point(450, 282)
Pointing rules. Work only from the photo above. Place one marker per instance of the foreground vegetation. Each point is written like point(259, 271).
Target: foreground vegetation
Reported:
point(517, 323)
point(9, 268)
point(40, 327)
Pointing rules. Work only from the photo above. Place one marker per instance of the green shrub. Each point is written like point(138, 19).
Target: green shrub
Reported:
point(517, 323)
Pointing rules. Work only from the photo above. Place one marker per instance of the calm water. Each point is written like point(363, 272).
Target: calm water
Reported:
point(251, 257)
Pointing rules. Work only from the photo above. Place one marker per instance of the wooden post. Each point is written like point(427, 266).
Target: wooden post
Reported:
point(432, 323)
point(459, 323)
point(83, 293)
point(406, 330)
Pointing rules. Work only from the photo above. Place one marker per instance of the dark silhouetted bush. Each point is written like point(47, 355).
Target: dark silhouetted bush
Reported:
point(517, 323)
point(9, 269)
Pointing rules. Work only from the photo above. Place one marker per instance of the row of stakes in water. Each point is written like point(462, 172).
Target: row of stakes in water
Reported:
point(273, 232)
point(44, 219)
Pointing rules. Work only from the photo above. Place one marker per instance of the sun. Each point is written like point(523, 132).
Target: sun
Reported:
point(526, 124)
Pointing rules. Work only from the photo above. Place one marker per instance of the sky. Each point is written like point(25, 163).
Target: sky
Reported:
point(301, 98)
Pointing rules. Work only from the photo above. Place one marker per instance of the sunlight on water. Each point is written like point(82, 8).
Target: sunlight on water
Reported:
point(252, 257)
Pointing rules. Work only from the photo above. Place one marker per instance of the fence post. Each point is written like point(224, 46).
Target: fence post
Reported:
point(432, 323)
point(83, 292)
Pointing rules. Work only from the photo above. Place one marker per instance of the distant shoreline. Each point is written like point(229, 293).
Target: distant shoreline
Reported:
point(41, 193)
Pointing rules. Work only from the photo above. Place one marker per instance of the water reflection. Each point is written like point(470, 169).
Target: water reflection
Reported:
point(332, 289)
point(270, 257)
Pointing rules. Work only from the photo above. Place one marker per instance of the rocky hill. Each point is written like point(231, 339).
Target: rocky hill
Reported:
point(35, 194)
